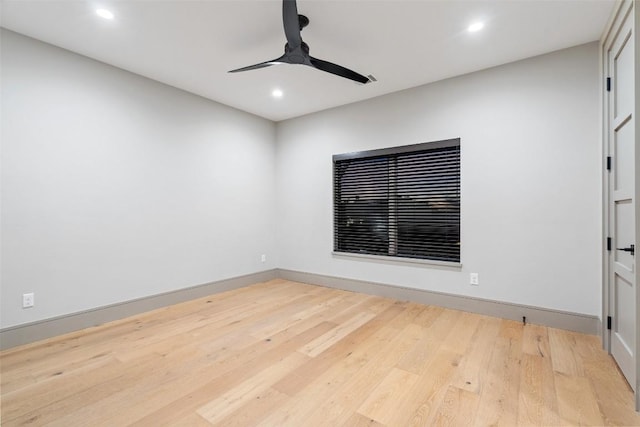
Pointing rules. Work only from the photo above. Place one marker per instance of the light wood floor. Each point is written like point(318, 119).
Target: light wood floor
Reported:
point(288, 354)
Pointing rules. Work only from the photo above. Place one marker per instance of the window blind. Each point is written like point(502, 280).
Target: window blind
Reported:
point(401, 202)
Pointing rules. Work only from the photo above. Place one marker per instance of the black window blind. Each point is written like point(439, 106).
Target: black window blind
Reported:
point(399, 202)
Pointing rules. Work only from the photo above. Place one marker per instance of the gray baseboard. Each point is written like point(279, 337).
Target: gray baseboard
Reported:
point(35, 331)
point(540, 316)
point(43, 329)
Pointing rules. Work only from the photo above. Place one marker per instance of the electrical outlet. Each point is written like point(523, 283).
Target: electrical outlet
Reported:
point(28, 300)
point(473, 279)
point(263, 258)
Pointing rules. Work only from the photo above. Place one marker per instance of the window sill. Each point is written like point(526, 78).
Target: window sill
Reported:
point(397, 260)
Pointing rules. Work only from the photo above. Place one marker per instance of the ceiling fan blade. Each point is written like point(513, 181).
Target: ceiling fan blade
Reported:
point(291, 23)
point(260, 65)
point(338, 70)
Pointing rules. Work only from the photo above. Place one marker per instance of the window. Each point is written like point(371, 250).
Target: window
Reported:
point(401, 202)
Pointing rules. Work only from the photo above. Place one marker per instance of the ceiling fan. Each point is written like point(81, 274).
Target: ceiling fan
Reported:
point(297, 52)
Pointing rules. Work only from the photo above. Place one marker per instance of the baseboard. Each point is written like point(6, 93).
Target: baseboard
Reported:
point(43, 329)
point(541, 316)
point(48, 328)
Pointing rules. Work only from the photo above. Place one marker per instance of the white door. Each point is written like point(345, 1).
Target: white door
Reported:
point(622, 213)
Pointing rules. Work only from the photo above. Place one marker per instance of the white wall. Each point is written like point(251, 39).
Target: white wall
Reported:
point(116, 187)
point(531, 192)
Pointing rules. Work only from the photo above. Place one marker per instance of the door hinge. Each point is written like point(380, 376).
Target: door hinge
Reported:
point(609, 322)
point(608, 243)
point(608, 163)
point(608, 84)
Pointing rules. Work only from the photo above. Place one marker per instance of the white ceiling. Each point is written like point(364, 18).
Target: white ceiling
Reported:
point(192, 44)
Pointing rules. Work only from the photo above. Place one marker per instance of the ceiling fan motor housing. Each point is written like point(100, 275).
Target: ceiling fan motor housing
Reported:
point(303, 21)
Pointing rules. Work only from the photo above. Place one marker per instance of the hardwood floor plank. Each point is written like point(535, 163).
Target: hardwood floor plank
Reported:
point(231, 371)
point(23, 401)
point(474, 365)
point(499, 392)
point(352, 394)
point(537, 403)
point(282, 353)
point(383, 399)
point(563, 352)
point(255, 410)
point(535, 341)
point(327, 340)
point(423, 399)
point(428, 315)
point(612, 393)
point(192, 420)
point(154, 390)
point(539, 381)
point(120, 380)
point(458, 408)
point(250, 389)
point(366, 339)
point(357, 420)
point(350, 357)
point(432, 339)
point(411, 312)
point(577, 402)
point(462, 332)
point(317, 308)
point(224, 321)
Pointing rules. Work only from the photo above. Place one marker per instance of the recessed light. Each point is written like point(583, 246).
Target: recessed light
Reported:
point(476, 26)
point(104, 13)
point(277, 93)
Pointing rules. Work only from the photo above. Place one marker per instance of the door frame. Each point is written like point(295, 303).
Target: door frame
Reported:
point(614, 25)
